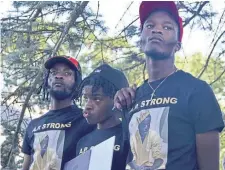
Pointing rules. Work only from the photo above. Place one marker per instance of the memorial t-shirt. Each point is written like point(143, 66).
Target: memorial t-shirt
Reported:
point(99, 135)
point(162, 131)
point(52, 138)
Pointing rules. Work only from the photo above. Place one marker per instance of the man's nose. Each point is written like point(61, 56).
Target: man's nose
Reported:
point(59, 75)
point(157, 30)
point(88, 105)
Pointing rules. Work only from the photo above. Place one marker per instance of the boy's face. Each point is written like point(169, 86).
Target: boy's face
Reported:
point(98, 107)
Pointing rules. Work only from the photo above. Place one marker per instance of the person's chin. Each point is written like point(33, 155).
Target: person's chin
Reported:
point(59, 94)
point(153, 49)
point(58, 91)
point(155, 54)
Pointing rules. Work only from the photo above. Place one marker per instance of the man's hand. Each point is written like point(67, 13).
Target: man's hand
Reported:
point(124, 97)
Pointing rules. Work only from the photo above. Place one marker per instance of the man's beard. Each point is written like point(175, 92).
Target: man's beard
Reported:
point(155, 55)
point(60, 95)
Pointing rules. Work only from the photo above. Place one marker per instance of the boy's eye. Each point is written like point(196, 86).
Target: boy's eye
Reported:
point(97, 99)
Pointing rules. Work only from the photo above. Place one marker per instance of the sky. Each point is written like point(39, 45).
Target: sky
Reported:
point(112, 11)
point(197, 41)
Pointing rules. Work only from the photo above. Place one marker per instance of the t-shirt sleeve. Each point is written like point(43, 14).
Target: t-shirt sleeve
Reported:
point(205, 110)
point(26, 147)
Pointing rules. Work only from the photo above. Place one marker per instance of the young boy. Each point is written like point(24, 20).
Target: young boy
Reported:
point(98, 91)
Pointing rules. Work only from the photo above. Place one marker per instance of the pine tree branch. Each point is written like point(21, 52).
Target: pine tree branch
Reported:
point(15, 137)
point(73, 17)
point(16, 91)
point(31, 32)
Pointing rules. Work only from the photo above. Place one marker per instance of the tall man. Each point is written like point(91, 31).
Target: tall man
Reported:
point(184, 111)
point(50, 140)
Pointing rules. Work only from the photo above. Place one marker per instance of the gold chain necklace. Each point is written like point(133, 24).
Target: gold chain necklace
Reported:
point(154, 90)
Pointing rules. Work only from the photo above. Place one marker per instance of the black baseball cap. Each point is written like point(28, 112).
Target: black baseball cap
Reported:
point(114, 76)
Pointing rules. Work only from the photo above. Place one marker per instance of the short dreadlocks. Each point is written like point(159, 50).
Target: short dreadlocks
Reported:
point(98, 82)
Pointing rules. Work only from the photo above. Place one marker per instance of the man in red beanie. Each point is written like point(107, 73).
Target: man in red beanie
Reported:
point(175, 119)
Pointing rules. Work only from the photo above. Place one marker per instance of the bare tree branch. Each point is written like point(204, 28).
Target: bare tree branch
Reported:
point(124, 14)
point(210, 54)
point(218, 78)
point(132, 67)
point(144, 71)
point(220, 20)
point(128, 26)
point(197, 13)
point(102, 54)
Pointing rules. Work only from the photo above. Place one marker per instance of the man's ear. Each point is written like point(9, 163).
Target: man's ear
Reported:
point(178, 46)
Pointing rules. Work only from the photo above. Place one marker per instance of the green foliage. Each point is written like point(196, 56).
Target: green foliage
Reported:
point(28, 37)
point(194, 64)
point(9, 131)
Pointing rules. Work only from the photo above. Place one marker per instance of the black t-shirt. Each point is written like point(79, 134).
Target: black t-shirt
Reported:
point(162, 131)
point(100, 135)
point(51, 139)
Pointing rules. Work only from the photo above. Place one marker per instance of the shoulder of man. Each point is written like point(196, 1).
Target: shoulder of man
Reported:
point(189, 79)
point(33, 123)
point(191, 83)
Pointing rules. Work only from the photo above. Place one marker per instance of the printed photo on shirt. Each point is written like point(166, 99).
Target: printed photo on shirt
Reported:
point(149, 139)
point(48, 146)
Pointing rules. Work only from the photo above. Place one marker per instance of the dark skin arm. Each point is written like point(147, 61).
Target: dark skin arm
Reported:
point(208, 149)
point(26, 162)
